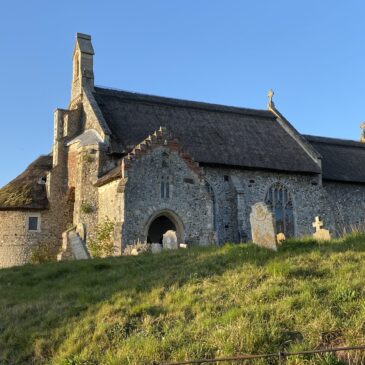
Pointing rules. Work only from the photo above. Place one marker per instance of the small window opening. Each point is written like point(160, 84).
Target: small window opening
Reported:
point(42, 180)
point(188, 180)
point(33, 224)
point(162, 189)
point(165, 187)
point(226, 178)
point(77, 66)
point(165, 159)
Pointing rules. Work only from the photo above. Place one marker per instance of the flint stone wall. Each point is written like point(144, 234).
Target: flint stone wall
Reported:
point(16, 242)
point(232, 214)
point(347, 203)
point(189, 198)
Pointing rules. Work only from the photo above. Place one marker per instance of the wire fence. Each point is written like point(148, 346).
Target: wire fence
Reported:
point(281, 357)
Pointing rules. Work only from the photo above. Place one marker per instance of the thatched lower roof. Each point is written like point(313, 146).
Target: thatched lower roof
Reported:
point(27, 191)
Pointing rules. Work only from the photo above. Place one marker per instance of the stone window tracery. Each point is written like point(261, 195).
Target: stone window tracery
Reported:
point(280, 201)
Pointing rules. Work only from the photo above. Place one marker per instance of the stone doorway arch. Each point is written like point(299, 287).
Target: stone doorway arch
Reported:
point(159, 223)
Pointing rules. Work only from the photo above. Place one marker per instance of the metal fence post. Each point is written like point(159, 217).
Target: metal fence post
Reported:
point(282, 358)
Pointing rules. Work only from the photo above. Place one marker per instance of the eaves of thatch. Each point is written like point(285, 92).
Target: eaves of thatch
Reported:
point(28, 190)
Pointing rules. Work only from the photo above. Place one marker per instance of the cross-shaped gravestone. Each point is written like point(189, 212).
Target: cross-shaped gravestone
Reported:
point(320, 233)
point(317, 224)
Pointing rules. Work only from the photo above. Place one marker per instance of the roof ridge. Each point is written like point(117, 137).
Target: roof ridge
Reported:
point(164, 100)
point(335, 141)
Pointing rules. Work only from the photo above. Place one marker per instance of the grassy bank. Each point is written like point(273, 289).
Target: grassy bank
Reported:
point(195, 303)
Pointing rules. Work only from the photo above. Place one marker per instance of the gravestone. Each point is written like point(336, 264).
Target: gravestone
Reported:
point(134, 252)
point(156, 247)
point(78, 247)
point(320, 234)
point(280, 238)
point(263, 226)
point(169, 240)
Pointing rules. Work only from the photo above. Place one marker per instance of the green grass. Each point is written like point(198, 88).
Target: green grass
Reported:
point(196, 303)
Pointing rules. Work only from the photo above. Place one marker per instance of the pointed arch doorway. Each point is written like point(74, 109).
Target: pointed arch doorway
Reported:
point(160, 223)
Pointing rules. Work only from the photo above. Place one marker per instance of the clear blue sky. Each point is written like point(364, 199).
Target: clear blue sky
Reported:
point(311, 52)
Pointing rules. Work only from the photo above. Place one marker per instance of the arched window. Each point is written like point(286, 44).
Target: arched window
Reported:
point(280, 201)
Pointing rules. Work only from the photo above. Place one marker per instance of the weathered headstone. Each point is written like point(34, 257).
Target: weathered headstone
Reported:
point(183, 245)
point(320, 234)
point(77, 246)
point(263, 226)
point(280, 238)
point(169, 240)
point(156, 247)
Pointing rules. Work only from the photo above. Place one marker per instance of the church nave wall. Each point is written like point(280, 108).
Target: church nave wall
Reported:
point(347, 202)
point(309, 200)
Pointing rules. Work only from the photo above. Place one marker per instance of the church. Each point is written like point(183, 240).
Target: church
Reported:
point(150, 164)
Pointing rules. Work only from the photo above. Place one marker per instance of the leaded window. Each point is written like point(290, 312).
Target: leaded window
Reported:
point(280, 201)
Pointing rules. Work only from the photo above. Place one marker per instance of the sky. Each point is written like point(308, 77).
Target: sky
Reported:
point(310, 52)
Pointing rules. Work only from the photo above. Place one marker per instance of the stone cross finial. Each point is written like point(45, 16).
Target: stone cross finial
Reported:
point(270, 95)
point(362, 136)
point(317, 224)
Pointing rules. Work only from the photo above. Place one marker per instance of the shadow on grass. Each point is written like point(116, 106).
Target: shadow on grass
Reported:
point(147, 271)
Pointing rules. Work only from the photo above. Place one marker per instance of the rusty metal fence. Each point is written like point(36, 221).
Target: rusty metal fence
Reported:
point(280, 357)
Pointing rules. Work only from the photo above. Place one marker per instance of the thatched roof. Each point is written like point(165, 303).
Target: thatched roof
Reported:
point(27, 191)
point(342, 160)
point(211, 134)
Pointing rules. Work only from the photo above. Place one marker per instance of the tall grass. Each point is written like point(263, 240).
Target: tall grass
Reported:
point(197, 303)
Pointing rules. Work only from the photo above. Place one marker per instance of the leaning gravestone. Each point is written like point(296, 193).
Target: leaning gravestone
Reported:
point(169, 240)
point(263, 226)
point(78, 247)
point(81, 231)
